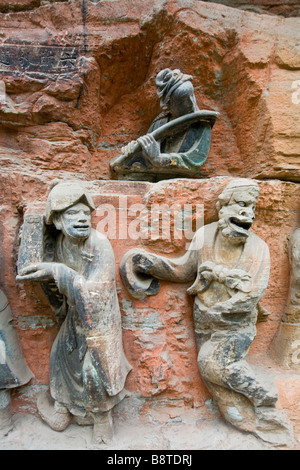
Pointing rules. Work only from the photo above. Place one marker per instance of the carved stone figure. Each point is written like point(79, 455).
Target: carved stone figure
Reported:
point(178, 140)
point(88, 367)
point(230, 269)
point(287, 342)
point(14, 371)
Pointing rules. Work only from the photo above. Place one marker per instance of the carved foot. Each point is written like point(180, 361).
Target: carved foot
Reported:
point(55, 415)
point(273, 427)
point(103, 428)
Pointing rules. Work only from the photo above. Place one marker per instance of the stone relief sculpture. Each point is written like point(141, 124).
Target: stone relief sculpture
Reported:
point(287, 342)
point(88, 367)
point(14, 371)
point(229, 267)
point(178, 140)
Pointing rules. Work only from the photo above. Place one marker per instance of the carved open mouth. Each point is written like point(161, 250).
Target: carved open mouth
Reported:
point(80, 227)
point(240, 226)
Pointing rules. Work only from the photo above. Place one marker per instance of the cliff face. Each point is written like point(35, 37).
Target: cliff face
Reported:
point(77, 83)
point(79, 80)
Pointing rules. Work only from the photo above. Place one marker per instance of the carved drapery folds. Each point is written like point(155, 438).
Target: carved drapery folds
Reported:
point(75, 265)
point(178, 140)
point(230, 269)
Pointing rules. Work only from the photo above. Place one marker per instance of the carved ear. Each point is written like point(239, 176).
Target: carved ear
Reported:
point(56, 220)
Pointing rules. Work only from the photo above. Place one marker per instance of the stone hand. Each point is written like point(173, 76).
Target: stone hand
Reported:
point(38, 272)
point(127, 149)
point(150, 147)
point(143, 263)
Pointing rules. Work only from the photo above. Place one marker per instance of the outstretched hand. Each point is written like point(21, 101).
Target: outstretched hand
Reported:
point(38, 272)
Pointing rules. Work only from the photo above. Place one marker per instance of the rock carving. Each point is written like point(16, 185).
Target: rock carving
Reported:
point(14, 371)
point(229, 267)
point(178, 140)
point(287, 342)
point(88, 367)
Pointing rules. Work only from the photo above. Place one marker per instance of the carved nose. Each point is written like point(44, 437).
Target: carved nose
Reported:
point(247, 213)
point(82, 217)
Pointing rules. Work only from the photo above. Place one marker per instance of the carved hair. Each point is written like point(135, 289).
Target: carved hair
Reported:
point(167, 81)
point(238, 183)
point(64, 195)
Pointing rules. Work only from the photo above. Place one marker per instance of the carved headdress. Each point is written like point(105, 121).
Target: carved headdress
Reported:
point(64, 195)
point(236, 184)
point(167, 81)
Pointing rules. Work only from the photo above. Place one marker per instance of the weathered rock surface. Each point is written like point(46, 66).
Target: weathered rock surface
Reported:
point(79, 84)
point(158, 332)
point(80, 77)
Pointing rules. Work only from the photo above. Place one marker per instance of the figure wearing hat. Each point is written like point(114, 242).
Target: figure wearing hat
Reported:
point(88, 367)
point(229, 267)
point(178, 140)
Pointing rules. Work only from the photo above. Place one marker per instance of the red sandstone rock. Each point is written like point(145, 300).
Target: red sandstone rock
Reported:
point(87, 88)
point(94, 67)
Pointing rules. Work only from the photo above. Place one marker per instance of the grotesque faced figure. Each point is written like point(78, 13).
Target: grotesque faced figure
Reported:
point(230, 269)
point(236, 209)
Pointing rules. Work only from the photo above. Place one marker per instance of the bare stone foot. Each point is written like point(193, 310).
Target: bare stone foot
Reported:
point(272, 426)
point(103, 428)
point(54, 414)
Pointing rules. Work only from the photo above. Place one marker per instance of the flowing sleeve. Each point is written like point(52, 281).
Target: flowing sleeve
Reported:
point(93, 294)
point(193, 152)
point(141, 271)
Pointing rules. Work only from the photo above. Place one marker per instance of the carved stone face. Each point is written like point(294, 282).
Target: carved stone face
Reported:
point(74, 222)
point(237, 216)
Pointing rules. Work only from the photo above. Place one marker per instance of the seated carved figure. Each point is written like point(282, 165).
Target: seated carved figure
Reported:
point(230, 268)
point(88, 367)
point(178, 140)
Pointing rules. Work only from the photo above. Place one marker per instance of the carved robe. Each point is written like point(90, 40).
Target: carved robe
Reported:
point(188, 150)
point(223, 338)
point(88, 367)
point(14, 371)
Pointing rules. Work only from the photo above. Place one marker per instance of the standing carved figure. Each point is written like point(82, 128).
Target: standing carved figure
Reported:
point(14, 371)
point(178, 140)
point(230, 269)
point(88, 367)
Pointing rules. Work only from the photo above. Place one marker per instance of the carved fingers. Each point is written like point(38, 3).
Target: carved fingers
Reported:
point(128, 149)
point(150, 147)
point(37, 272)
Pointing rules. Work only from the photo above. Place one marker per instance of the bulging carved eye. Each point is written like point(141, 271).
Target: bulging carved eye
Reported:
point(242, 203)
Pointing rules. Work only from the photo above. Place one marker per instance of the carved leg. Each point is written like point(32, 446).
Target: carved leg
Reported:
point(222, 361)
point(266, 422)
point(103, 428)
point(241, 378)
point(5, 413)
point(53, 413)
